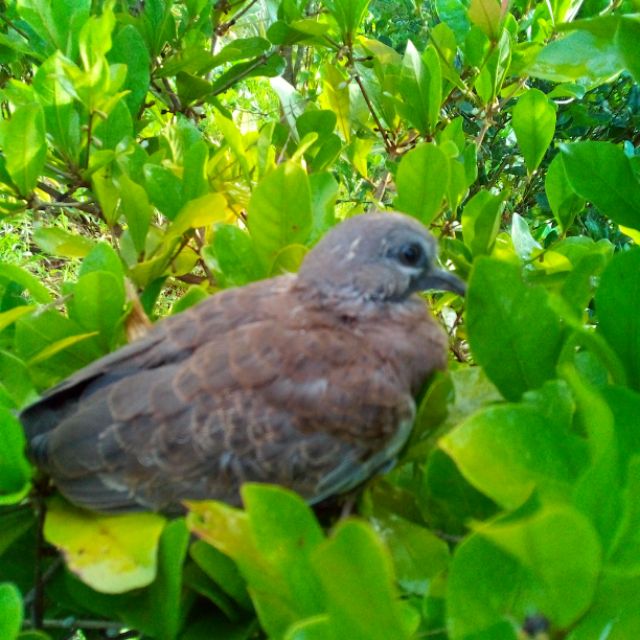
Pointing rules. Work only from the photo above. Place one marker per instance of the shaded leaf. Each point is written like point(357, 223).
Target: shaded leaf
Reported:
point(563, 200)
point(618, 306)
point(10, 611)
point(481, 221)
point(616, 191)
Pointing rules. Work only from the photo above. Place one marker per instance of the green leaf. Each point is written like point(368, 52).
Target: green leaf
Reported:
point(560, 549)
point(534, 122)
point(98, 304)
point(56, 22)
point(22, 139)
point(563, 200)
point(55, 344)
point(106, 192)
point(224, 527)
point(102, 257)
point(7, 318)
point(58, 242)
point(418, 554)
point(494, 70)
point(117, 127)
point(422, 178)
point(27, 281)
point(316, 628)
point(507, 452)
point(454, 14)
point(111, 554)
point(486, 14)
point(267, 65)
point(618, 307)
point(348, 14)
point(288, 259)
point(309, 30)
point(324, 192)
point(164, 189)
point(15, 382)
point(271, 544)
point(616, 191)
point(193, 296)
point(595, 52)
point(236, 255)
point(513, 332)
point(199, 212)
point(159, 610)
point(598, 492)
point(61, 115)
point(321, 121)
point(10, 611)
point(614, 614)
point(525, 245)
point(481, 221)
point(280, 210)
point(357, 574)
point(14, 524)
point(447, 500)
point(625, 551)
point(129, 48)
point(222, 570)
point(421, 88)
point(15, 470)
point(547, 563)
point(335, 97)
point(281, 517)
point(137, 210)
point(194, 175)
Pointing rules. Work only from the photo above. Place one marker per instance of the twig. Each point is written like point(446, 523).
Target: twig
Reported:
point(262, 60)
point(73, 623)
point(388, 144)
point(46, 576)
point(37, 610)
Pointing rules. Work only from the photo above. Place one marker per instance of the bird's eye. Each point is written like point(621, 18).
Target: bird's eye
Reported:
point(411, 254)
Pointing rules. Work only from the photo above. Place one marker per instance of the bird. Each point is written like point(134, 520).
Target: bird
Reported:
point(303, 380)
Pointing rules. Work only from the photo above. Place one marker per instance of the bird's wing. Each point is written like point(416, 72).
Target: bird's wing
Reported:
point(307, 407)
point(170, 341)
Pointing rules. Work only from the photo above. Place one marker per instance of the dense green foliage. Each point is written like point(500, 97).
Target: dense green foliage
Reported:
point(157, 151)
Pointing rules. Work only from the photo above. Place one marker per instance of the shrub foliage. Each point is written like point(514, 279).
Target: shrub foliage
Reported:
point(153, 152)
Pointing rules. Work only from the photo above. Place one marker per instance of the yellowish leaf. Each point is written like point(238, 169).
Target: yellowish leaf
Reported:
point(201, 212)
point(111, 554)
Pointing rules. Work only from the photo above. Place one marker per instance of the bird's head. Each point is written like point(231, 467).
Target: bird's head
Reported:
point(377, 256)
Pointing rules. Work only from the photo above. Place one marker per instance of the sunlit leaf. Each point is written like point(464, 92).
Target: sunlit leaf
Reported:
point(517, 354)
point(11, 611)
point(22, 139)
point(534, 121)
point(112, 554)
point(15, 471)
point(422, 180)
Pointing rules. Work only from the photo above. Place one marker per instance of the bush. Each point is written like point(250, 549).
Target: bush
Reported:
point(155, 152)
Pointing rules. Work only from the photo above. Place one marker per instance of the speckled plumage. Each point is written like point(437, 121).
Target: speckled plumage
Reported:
point(302, 380)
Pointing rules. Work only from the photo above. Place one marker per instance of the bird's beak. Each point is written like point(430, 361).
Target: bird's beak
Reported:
point(443, 280)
